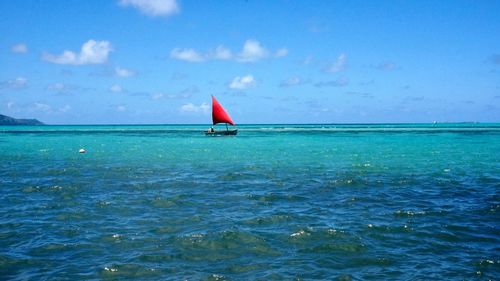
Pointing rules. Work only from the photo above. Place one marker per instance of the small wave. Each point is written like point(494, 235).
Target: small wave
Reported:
point(299, 233)
point(352, 247)
point(311, 240)
point(270, 220)
point(319, 233)
point(389, 228)
point(216, 277)
point(273, 197)
point(156, 258)
point(408, 213)
point(31, 189)
point(221, 246)
point(165, 203)
point(240, 268)
point(128, 271)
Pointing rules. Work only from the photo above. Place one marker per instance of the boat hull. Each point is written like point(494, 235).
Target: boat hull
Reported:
point(222, 133)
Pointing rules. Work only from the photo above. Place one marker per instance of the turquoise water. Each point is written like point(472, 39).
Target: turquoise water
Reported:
point(276, 202)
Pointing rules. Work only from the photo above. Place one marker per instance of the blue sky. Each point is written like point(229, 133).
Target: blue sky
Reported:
point(154, 61)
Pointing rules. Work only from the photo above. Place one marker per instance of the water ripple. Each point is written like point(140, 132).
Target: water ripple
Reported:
point(276, 203)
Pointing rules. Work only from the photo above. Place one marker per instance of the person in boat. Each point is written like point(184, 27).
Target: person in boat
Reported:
point(211, 130)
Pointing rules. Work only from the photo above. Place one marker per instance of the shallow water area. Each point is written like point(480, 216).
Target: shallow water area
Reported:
point(375, 202)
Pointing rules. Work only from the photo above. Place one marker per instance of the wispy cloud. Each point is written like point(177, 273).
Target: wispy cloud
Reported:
point(495, 58)
point(66, 72)
point(251, 51)
point(66, 89)
point(283, 52)
point(116, 88)
point(338, 65)
point(316, 26)
point(189, 91)
point(367, 82)
point(308, 60)
point(292, 81)
point(220, 53)
point(413, 98)
point(92, 52)
point(153, 8)
point(385, 66)
point(64, 108)
point(157, 96)
point(332, 83)
point(121, 108)
point(43, 107)
point(192, 108)
point(183, 94)
point(177, 76)
point(17, 83)
point(360, 94)
point(20, 48)
point(242, 83)
point(123, 72)
point(189, 55)
point(37, 107)
point(60, 88)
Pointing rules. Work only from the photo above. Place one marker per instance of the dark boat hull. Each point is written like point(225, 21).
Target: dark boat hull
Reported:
point(222, 133)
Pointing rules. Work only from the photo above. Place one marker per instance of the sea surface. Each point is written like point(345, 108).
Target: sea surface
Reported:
point(275, 202)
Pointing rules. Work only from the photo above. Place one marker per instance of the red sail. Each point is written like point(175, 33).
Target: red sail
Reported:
point(219, 115)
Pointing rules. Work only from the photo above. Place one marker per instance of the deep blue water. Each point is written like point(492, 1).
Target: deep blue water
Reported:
point(276, 202)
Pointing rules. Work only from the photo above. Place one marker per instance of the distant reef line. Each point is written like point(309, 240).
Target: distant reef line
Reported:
point(10, 121)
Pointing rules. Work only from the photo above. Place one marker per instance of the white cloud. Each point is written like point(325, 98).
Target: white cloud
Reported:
point(242, 83)
point(18, 83)
point(20, 48)
point(221, 53)
point(92, 52)
point(123, 72)
point(10, 105)
point(186, 54)
point(121, 108)
point(252, 51)
point(202, 108)
point(338, 65)
point(153, 8)
point(116, 88)
point(283, 52)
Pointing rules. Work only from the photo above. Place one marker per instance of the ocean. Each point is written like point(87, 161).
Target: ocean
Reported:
point(275, 202)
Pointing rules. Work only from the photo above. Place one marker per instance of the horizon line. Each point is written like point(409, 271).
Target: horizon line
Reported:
point(246, 124)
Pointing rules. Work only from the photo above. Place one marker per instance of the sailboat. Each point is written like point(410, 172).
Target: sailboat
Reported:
point(219, 115)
